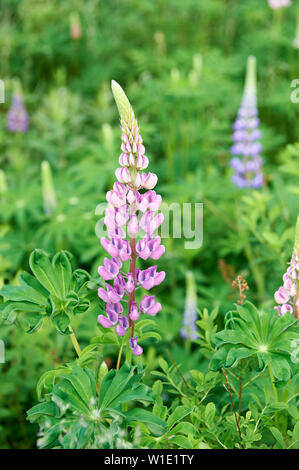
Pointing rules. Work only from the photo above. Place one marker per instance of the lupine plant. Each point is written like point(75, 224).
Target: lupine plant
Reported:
point(128, 200)
point(83, 404)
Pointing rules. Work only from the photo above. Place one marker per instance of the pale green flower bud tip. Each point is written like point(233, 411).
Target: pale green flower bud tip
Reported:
point(3, 183)
point(250, 82)
point(49, 195)
point(123, 104)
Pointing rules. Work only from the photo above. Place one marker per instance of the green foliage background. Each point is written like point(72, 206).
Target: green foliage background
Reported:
point(182, 65)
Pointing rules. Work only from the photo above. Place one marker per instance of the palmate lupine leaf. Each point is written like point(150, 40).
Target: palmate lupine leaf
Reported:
point(73, 408)
point(249, 332)
point(54, 291)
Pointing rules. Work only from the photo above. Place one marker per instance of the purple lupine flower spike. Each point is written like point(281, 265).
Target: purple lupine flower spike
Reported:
point(287, 296)
point(189, 330)
point(17, 116)
point(246, 160)
point(133, 208)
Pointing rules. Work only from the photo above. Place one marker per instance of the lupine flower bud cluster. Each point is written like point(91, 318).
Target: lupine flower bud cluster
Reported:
point(132, 211)
point(189, 330)
point(17, 117)
point(276, 4)
point(246, 149)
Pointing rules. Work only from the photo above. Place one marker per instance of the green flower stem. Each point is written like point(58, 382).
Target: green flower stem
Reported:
point(234, 410)
point(75, 341)
point(120, 353)
point(132, 271)
point(257, 275)
point(275, 394)
point(119, 357)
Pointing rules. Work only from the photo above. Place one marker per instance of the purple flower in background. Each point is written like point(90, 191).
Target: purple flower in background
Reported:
point(276, 4)
point(132, 195)
point(189, 330)
point(246, 160)
point(17, 116)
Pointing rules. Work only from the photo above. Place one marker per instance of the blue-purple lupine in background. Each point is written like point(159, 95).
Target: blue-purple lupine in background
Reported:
point(17, 116)
point(246, 160)
point(189, 330)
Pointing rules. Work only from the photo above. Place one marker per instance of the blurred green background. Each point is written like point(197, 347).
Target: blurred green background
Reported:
point(182, 65)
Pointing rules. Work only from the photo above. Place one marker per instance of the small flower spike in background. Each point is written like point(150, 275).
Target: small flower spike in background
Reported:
point(287, 295)
point(296, 39)
point(49, 196)
point(17, 116)
point(75, 26)
point(190, 313)
point(132, 211)
point(276, 4)
point(246, 149)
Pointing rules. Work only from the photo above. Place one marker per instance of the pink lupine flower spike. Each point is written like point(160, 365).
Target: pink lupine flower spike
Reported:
point(287, 296)
point(133, 206)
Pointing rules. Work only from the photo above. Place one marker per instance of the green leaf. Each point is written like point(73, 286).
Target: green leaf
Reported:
point(150, 334)
point(34, 321)
point(63, 272)
point(181, 441)
point(62, 321)
point(118, 384)
point(48, 379)
point(236, 354)
point(179, 413)
point(82, 307)
point(9, 309)
point(103, 370)
point(79, 278)
point(156, 425)
point(47, 408)
point(219, 358)
point(183, 428)
point(210, 412)
point(143, 323)
point(278, 436)
point(163, 364)
point(23, 293)
point(273, 407)
point(140, 393)
point(42, 268)
point(280, 368)
point(81, 383)
point(26, 279)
